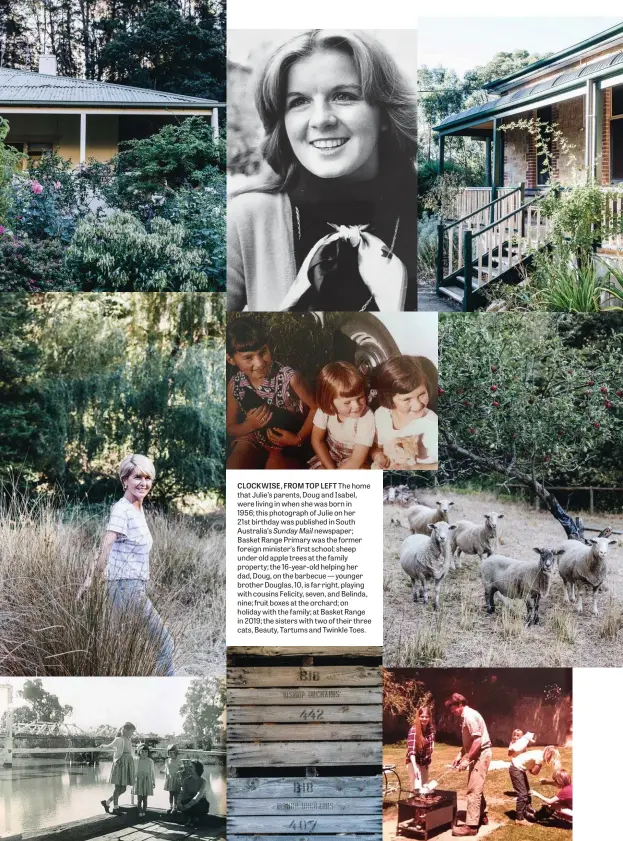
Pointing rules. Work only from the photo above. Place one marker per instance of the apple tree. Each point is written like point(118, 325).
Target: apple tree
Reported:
point(533, 398)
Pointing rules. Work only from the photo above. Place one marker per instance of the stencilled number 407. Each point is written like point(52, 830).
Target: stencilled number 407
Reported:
point(302, 826)
point(312, 715)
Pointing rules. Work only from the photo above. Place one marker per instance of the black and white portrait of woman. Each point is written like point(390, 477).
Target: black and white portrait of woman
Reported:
point(328, 219)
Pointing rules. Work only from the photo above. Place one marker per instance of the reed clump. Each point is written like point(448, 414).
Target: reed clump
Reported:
point(45, 550)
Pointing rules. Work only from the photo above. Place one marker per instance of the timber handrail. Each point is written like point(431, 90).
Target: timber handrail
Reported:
point(478, 210)
point(504, 218)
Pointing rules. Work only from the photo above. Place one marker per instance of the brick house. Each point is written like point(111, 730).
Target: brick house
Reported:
point(580, 90)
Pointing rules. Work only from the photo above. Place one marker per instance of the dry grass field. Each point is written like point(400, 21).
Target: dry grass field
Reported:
point(498, 791)
point(45, 630)
point(463, 634)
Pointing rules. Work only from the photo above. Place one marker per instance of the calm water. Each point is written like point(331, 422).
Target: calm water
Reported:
point(36, 794)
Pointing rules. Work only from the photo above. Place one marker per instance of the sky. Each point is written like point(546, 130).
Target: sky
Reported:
point(151, 703)
point(463, 43)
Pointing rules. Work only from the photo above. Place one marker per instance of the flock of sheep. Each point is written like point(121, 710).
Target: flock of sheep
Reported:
point(435, 546)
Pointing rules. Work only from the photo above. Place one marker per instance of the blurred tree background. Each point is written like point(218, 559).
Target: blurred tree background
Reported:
point(87, 378)
point(168, 45)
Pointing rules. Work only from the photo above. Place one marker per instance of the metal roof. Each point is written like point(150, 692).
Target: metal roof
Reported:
point(594, 40)
point(569, 79)
point(23, 87)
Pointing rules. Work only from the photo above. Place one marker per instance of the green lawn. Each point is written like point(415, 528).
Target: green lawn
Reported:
point(498, 791)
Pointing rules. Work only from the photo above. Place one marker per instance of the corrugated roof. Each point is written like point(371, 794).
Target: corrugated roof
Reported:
point(20, 87)
point(498, 105)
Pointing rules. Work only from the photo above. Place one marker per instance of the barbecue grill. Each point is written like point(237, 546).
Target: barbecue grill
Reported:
point(420, 814)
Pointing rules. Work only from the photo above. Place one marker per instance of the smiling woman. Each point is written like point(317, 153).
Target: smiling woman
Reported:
point(330, 222)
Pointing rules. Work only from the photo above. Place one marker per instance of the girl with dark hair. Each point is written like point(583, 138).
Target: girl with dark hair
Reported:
point(270, 409)
point(406, 429)
point(334, 226)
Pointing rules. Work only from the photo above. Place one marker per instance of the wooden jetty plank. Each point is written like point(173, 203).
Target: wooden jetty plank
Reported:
point(350, 652)
point(305, 695)
point(290, 837)
point(310, 825)
point(299, 713)
point(308, 731)
point(276, 754)
point(306, 676)
point(290, 787)
point(316, 806)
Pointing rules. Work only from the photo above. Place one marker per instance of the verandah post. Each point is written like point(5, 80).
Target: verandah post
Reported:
point(467, 271)
point(442, 144)
point(493, 197)
point(488, 161)
point(440, 238)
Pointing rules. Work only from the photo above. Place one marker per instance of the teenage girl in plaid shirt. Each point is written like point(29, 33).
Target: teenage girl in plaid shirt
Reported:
point(420, 746)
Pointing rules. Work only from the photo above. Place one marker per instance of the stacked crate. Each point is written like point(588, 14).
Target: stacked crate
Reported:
point(304, 745)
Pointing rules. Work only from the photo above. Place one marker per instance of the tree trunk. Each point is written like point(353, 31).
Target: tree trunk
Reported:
point(574, 529)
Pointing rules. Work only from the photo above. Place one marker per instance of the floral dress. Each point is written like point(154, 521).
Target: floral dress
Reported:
point(275, 392)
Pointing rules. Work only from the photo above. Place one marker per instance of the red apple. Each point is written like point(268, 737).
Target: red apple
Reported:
point(494, 388)
point(591, 382)
point(466, 402)
point(494, 368)
point(607, 404)
point(440, 391)
point(604, 389)
point(495, 404)
point(620, 393)
point(596, 424)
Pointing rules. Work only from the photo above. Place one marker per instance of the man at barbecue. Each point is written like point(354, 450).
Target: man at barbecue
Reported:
point(474, 756)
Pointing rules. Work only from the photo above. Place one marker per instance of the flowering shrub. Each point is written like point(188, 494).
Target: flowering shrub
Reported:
point(32, 266)
point(121, 253)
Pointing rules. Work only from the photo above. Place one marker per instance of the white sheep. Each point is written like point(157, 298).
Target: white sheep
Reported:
point(584, 567)
point(471, 539)
point(420, 517)
point(528, 580)
point(425, 559)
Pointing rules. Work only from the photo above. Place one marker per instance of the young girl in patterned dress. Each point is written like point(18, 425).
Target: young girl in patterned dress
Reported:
point(343, 424)
point(172, 779)
point(270, 409)
point(122, 771)
point(145, 779)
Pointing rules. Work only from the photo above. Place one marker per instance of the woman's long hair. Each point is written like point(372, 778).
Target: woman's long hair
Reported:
point(420, 742)
point(382, 84)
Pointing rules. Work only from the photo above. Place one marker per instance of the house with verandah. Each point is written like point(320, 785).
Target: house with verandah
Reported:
point(579, 93)
point(82, 119)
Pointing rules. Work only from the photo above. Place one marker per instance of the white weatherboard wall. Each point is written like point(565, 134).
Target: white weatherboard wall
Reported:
point(295, 575)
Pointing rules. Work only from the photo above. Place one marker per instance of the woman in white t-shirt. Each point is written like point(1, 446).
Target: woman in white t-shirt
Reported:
point(406, 429)
point(124, 555)
point(343, 429)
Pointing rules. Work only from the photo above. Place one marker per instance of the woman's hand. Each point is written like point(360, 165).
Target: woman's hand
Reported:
point(283, 438)
point(380, 460)
point(258, 417)
point(85, 586)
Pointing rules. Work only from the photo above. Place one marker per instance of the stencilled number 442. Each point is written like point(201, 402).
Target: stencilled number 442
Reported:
point(312, 715)
point(302, 826)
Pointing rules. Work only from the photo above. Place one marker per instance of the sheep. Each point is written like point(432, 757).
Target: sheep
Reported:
point(584, 566)
point(420, 517)
point(529, 580)
point(425, 559)
point(471, 539)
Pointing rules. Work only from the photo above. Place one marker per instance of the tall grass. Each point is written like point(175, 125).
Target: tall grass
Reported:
point(45, 550)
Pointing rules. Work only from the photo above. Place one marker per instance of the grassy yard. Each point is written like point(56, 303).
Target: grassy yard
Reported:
point(462, 633)
point(498, 791)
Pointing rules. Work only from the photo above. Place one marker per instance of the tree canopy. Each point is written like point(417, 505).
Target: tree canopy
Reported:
point(204, 704)
point(536, 399)
point(42, 706)
point(172, 45)
point(90, 377)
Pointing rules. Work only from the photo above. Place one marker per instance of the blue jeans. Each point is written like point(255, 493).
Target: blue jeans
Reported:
point(128, 592)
